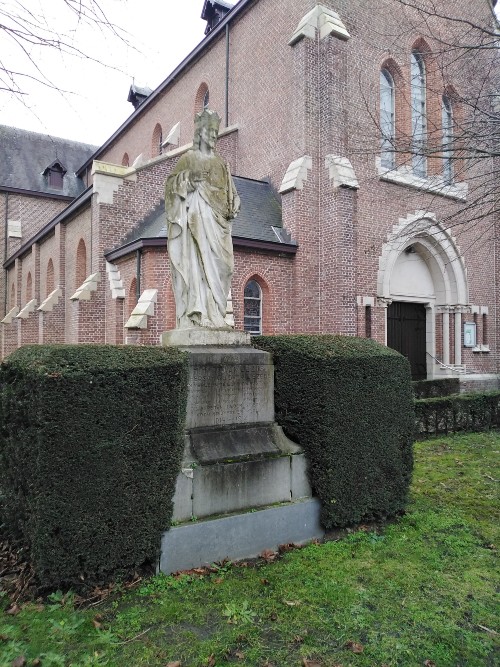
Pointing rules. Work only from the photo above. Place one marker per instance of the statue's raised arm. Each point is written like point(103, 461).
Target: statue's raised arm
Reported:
point(200, 202)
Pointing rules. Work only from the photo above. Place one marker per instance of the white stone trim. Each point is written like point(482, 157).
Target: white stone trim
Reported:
point(10, 315)
point(145, 308)
point(404, 176)
point(296, 174)
point(26, 311)
point(107, 178)
point(341, 172)
point(364, 301)
point(14, 229)
point(484, 310)
point(323, 19)
point(83, 293)
point(115, 281)
point(173, 137)
point(52, 300)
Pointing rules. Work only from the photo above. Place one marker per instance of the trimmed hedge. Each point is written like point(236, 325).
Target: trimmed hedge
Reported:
point(91, 445)
point(461, 412)
point(436, 388)
point(349, 403)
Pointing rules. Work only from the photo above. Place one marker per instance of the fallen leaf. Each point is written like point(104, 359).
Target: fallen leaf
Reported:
point(273, 616)
point(283, 548)
point(36, 662)
point(298, 639)
point(97, 624)
point(292, 603)
point(310, 663)
point(177, 663)
point(429, 663)
point(240, 655)
point(265, 582)
point(211, 661)
point(219, 580)
point(355, 647)
point(13, 610)
point(268, 555)
point(19, 662)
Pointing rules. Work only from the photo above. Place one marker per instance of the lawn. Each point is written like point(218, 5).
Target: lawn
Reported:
point(417, 592)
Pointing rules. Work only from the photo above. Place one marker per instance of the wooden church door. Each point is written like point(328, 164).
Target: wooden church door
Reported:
point(406, 334)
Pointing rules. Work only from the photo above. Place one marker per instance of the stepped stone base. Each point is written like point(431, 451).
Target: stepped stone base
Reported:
point(236, 459)
point(239, 536)
point(199, 336)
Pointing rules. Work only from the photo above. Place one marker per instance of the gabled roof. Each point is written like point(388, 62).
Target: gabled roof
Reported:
point(26, 157)
point(259, 221)
point(218, 30)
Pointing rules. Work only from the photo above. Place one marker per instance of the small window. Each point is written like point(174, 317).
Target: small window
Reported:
point(157, 141)
point(55, 177)
point(418, 114)
point(125, 160)
point(202, 98)
point(253, 308)
point(387, 118)
point(447, 115)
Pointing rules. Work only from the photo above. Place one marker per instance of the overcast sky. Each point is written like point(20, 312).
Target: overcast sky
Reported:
point(162, 33)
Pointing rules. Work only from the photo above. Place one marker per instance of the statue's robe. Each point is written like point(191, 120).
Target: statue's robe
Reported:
point(200, 202)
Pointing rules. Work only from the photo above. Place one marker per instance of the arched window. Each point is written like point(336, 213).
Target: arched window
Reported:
point(156, 144)
point(81, 264)
point(418, 117)
point(49, 281)
point(132, 296)
point(447, 116)
point(253, 308)
point(29, 288)
point(125, 160)
point(202, 98)
point(387, 119)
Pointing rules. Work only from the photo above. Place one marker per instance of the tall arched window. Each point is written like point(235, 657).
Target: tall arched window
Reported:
point(132, 296)
point(49, 280)
point(418, 114)
point(253, 308)
point(81, 264)
point(387, 119)
point(156, 144)
point(447, 116)
point(29, 288)
point(202, 98)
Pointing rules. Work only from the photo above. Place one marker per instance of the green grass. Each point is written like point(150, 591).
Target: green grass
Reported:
point(420, 589)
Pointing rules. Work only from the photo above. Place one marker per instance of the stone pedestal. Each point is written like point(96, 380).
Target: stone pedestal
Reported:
point(236, 458)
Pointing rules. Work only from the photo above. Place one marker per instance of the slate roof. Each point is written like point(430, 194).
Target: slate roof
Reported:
point(259, 218)
point(24, 156)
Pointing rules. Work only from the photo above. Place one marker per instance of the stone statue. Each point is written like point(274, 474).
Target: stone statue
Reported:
point(200, 202)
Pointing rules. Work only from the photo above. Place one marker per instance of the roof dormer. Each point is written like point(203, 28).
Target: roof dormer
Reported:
point(54, 174)
point(213, 12)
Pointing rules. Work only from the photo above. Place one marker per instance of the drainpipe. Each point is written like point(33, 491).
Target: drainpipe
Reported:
point(227, 77)
point(6, 242)
point(138, 256)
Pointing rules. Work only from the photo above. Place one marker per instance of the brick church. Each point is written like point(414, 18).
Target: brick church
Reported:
point(362, 213)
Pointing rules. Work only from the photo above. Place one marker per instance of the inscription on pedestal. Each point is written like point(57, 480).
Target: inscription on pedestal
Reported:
point(230, 388)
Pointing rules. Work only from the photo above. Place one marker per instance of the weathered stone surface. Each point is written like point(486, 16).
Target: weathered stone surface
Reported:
point(220, 489)
point(229, 386)
point(239, 536)
point(183, 497)
point(192, 336)
point(299, 479)
point(231, 443)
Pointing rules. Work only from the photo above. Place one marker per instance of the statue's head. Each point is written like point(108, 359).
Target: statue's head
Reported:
point(205, 119)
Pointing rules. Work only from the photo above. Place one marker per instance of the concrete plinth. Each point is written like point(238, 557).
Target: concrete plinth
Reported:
point(240, 536)
point(197, 336)
point(236, 459)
